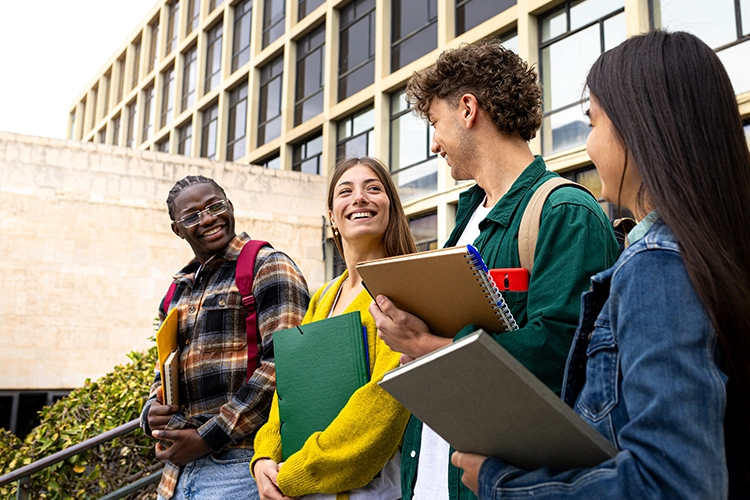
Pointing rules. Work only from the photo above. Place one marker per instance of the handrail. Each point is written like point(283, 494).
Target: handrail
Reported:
point(61, 455)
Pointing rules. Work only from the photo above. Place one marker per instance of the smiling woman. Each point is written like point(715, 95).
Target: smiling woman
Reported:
point(356, 457)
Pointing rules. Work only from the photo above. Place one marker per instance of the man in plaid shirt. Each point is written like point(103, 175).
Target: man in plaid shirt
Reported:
point(210, 436)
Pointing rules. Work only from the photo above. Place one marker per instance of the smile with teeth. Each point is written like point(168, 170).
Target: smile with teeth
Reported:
point(361, 215)
point(211, 232)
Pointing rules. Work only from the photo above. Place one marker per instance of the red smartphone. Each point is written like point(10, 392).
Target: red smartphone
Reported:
point(511, 279)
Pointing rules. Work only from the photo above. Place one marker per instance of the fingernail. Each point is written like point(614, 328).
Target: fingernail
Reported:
point(156, 433)
point(380, 299)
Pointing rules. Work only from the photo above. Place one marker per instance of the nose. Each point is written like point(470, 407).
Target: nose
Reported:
point(360, 196)
point(435, 147)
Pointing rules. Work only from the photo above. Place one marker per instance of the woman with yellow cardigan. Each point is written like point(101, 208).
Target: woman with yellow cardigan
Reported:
point(356, 457)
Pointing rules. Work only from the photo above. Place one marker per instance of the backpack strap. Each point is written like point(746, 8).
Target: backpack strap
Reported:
point(528, 231)
point(244, 280)
point(168, 297)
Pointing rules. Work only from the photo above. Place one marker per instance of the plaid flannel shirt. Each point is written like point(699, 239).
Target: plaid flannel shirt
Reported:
point(215, 399)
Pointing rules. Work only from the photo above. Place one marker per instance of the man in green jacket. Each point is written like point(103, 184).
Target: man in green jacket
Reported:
point(484, 103)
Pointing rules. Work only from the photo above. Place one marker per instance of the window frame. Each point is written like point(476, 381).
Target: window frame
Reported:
point(263, 106)
point(236, 99)
point(372, 27)
point(301, 56)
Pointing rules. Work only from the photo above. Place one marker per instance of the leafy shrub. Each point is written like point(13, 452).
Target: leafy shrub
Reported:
point(111, 401)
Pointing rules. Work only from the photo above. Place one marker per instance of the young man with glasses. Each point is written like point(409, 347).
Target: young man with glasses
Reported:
point(210, 436)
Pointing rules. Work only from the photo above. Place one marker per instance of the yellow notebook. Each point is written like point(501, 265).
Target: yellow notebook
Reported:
point(166, 338)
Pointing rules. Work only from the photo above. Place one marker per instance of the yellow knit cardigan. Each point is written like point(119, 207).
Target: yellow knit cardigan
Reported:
point(360, 440)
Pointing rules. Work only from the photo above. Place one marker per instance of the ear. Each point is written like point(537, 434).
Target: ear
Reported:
point(176, 230)
point(331, 220)
point(469, 108)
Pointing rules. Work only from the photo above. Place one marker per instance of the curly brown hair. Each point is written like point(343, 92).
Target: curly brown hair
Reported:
point(506, 86)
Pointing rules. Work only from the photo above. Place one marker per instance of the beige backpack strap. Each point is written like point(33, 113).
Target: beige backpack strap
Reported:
point(528, 231)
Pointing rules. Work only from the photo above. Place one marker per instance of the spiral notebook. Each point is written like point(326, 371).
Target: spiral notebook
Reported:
point(447, 288)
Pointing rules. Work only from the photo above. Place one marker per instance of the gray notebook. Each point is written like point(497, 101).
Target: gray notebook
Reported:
point(480, 399)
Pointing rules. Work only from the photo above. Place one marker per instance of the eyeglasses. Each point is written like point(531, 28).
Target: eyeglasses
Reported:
point(194, 219)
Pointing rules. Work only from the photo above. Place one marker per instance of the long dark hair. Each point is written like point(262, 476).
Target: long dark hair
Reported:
point(398, 239)
point(672, 103)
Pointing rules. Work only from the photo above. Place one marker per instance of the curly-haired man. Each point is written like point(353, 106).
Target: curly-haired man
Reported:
point(484, 103)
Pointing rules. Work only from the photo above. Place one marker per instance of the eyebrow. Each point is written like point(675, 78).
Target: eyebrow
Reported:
point(349, 183)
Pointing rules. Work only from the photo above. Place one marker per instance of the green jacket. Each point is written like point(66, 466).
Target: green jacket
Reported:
point(575, 242)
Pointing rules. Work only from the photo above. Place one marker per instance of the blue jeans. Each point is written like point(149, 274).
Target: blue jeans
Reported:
point(218, 476)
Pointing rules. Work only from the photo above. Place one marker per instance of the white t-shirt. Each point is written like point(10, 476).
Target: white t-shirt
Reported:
point(434, 451)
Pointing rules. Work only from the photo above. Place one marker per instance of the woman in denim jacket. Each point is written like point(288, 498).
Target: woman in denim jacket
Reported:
point(660, 361)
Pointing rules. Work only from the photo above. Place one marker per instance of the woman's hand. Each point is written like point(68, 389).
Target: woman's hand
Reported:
point(266, 472)
point(470, 464)
point(403, 332)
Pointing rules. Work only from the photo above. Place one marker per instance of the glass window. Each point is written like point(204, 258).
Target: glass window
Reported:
point(94, 99)
point(153, 53)
point(149, 111)
point(237, 128)
point(572, 38)
point(307, 6)
point(213, 58)
point(167, 97)
point(83, 115)
point(241, 44)
point(725, 26)
point(210, 129)
point(356, 47)
point(193, 15)
point(747, 134)
point(269, 119)
point(163, 145)
point(135, 62)
point(471, 13)
point(120, 66)
point(413, 166)
point(212, 4)
point(72, 126)
point(173, 23)
point(424, 230)
point(116, 130)
point(274, 12)
point(132, 125)
point(307, 155)
point(102, 136)
point(274, 162)
point(106, 80)
point(308, 95)
point(356, 135)
point(413, 30)
point(188, 79)
point(185, 139)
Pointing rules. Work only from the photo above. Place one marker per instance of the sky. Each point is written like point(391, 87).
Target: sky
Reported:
point(50, 50)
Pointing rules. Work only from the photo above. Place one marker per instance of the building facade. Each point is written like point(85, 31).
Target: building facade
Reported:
point(294, 84)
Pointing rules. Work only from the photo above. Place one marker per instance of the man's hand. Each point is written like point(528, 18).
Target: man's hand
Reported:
point(403, 332)
point(187, 446)
point(471, 464)
point(266, 472)
point(160, 414)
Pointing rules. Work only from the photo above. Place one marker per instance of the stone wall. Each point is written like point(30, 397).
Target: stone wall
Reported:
point(87, 249)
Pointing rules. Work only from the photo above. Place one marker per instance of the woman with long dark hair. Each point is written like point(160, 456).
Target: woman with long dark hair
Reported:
point(661, 362)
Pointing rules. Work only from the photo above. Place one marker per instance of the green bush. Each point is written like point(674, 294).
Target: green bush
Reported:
point(113, 400)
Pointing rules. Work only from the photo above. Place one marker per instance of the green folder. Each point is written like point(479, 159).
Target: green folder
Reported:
point(318, 367)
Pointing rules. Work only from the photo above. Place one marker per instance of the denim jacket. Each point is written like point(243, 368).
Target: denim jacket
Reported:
point(644, 371)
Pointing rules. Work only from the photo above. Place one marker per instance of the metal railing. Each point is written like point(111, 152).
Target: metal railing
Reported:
point(23, 474)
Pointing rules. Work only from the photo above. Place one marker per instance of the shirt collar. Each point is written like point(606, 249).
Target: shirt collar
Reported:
point(508, 204)
point(640, 229)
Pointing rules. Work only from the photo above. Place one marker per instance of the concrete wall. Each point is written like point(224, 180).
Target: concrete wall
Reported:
point(87, 251)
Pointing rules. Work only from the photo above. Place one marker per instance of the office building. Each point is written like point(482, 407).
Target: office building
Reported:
point(293, 84)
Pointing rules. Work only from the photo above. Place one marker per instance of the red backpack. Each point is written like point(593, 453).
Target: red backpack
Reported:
point(244, 280)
